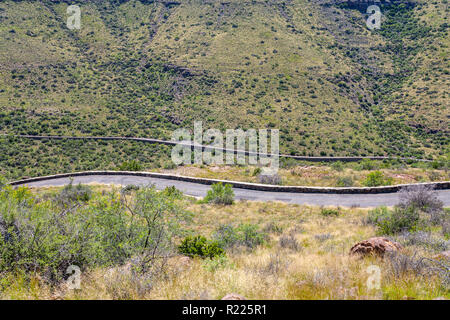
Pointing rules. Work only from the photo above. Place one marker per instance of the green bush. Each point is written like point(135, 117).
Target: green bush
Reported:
point(344, 182)
point(71, 193)
point(329, 212)
point(220, 194)
point(399, 220)
point(256, 172)
point(36, 236)
point(377, 214)
point(172, 192)
point(368, 164)
point(246, 235)
point(199, 246)
point(376, 178)
point(132, 165)
point(338, 166)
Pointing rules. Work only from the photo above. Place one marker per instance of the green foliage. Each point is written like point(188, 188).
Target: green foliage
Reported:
point(377, 215)
point(3, 182)
point(256, 172)
point(327, 212)
point(220, 194)
point(344, 182)
point(399, 220)
point(97, 103)
point(216, 263)
point(173, 192)
point(132, 165)
point(368, 164)
point(108, 230)
point(419, 208)
point(246, 235)
point(199, 246)
point(338, 166)
point(377, 178)
point(71, 193)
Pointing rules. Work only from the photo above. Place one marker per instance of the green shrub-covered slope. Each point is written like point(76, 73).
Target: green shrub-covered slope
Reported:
point(145, 68)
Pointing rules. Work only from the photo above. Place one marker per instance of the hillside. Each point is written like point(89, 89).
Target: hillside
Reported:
point(144, 68)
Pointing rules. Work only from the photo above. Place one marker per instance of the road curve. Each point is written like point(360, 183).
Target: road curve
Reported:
point(199, 190)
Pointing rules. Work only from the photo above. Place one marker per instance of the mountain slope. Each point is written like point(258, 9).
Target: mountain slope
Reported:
point(311, 68)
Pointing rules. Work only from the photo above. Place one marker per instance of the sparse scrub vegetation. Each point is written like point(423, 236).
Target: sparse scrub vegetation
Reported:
point(327, 212)
point(220, 194)
point(199, 246)
point(274, 179)
point(284, 263)
point(376, 179)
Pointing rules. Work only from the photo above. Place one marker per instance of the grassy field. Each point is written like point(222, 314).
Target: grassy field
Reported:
point(301, 252)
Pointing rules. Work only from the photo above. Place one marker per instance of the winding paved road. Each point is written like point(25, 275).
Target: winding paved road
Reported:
point(199, 190)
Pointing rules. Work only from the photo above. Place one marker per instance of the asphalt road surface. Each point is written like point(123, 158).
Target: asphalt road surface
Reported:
point(199, 190)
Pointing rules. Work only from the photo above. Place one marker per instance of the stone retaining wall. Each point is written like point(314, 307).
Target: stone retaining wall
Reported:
point(243, 185)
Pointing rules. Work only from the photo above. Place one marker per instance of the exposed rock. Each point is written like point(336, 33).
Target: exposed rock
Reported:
point(233, 296)
point(376, 245)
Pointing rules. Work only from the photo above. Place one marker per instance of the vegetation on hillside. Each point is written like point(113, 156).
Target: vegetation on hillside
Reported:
point(145, 68)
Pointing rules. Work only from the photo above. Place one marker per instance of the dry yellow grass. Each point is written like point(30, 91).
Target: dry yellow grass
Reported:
point(319, 176)
point(320, 269)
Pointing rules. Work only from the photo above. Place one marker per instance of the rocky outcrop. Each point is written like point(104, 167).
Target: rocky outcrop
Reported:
point(233, 296)
point(375, 246)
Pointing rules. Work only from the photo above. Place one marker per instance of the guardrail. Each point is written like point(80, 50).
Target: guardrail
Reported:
point(444, 185)
point(203, 147)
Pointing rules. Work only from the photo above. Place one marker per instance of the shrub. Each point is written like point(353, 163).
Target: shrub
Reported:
point(338, 166)
point(376, 215)
point(289, 242)
point(246, 235)
point(132, 165)
point(2, 182)
point(368, 164)
point(375, 179)
point(399, 220)
point(422, 198)
point(256, 172)
point(424, 239)
point(251, 237)
point(329, 212)
point(220, 194)
point(272, 227)
point(37, 236)
point(199, 246)
point(344, 182)
point(72, 193)
point(216, 263)
point(274, 179)
point(129, 188)
point(172, 192)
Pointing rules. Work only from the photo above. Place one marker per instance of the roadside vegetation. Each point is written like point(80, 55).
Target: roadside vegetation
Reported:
point(365, 173)
point(139, 243)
